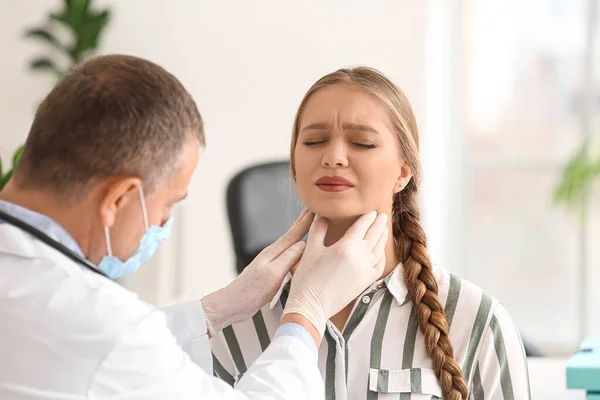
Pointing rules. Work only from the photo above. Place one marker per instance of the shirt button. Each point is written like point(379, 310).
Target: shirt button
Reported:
point(379, 286)
point(366, 299)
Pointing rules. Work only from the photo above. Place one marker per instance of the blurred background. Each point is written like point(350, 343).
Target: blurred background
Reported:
point(505, 92)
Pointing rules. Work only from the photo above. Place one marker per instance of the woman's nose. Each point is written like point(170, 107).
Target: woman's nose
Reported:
point(335, 155)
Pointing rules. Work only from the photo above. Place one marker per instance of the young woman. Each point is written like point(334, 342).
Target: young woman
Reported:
point(419, 332)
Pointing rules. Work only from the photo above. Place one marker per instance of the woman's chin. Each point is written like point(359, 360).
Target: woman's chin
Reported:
point(335, 214)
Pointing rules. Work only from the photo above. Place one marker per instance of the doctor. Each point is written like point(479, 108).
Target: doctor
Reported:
point(111, 150)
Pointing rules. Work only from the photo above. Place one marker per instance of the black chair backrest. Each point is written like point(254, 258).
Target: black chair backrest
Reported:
point(261, 204)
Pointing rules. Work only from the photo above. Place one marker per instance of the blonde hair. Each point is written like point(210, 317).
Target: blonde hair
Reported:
point(409, 235)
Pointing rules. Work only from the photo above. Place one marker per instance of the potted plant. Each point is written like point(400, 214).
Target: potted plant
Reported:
point(579, 176)
point(85, 26)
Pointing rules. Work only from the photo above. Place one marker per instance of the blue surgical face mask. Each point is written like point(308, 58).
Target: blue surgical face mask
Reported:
point(153, 237)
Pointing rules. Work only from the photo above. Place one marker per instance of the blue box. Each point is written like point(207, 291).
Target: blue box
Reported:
point(583, 368)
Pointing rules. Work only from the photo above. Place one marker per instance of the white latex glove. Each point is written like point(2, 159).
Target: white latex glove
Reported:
point(328, 278)
point(259, 282)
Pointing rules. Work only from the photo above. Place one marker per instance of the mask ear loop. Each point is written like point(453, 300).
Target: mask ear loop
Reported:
point(107, 238)
point(144, 212)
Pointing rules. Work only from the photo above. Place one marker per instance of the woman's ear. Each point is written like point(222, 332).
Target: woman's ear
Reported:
point(403, 178)
point(114, 194)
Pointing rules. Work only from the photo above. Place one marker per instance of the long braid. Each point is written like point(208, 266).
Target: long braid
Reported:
point(423, 289)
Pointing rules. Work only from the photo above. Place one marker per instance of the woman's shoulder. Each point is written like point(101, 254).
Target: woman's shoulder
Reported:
point(464, 299)
point(487, 343)
point(452, 284)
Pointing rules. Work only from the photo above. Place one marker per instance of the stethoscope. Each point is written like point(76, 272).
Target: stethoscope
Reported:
point(17, 223)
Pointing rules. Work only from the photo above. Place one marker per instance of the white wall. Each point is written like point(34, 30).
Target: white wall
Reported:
point(247, 64)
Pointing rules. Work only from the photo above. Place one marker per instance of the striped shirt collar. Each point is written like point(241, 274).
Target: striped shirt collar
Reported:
point(394, 283)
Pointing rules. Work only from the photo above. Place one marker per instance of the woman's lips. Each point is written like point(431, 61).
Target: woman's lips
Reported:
point(334, 184)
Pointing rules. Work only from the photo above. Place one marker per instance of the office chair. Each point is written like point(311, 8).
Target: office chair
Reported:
point(261, 204)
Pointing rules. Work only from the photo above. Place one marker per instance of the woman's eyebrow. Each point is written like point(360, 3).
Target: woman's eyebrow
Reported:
point(353, 127)
point(317, 127)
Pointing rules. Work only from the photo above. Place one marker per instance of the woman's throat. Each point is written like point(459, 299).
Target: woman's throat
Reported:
point(335, 231)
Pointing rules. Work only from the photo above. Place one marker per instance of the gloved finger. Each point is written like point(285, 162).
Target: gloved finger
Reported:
point(379, 248)
point(275, 300)
point(302, 214)
point(289, 258)
point(375, 231)
point(379, 267)
point(317, 233)
point(291, 237)
point(359, 228)
point(294, 267)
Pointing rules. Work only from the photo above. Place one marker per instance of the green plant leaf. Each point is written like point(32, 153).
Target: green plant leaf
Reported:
point(89, 33)
point(81, 7)
point(73, 14)
point(68, 18)
point(44, 35)
point(6, 178)
point(17, 156)
point(44, 63)
point(596, 167)
point(63, 18)
point(577, 180)
point(3, 180)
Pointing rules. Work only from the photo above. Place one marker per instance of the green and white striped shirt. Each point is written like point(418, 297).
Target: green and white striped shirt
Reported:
point(381, 352)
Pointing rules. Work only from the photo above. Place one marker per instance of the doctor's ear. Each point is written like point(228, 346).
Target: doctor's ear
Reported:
point(114, 194)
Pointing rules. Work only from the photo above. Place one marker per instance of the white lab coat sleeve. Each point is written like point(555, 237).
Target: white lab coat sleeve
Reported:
point(147, 363)
point(187, 324)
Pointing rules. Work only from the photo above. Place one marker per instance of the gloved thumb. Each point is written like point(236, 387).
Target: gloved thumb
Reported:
point(317, 232)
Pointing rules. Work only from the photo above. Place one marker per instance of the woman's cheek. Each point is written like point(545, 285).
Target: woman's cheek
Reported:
point(303, 190)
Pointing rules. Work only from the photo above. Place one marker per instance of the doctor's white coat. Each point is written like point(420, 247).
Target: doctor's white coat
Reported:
point(68, 333)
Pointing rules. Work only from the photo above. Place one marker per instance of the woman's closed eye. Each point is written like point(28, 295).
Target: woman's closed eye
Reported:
point(310, 143)
point(314, 142)
point(365, 145)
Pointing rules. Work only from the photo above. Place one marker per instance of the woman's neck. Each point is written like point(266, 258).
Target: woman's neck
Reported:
point(335, 231)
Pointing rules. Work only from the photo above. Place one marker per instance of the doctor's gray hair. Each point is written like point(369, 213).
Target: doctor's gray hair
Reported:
point(111, 115)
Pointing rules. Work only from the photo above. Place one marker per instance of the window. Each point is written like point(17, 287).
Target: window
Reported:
point(523, 94)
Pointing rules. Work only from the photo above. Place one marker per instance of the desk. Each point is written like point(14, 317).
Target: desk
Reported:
point(548, 380)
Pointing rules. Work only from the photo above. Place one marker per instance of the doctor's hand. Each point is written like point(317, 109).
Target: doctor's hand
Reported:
point(259, 282)
point(329, 278)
